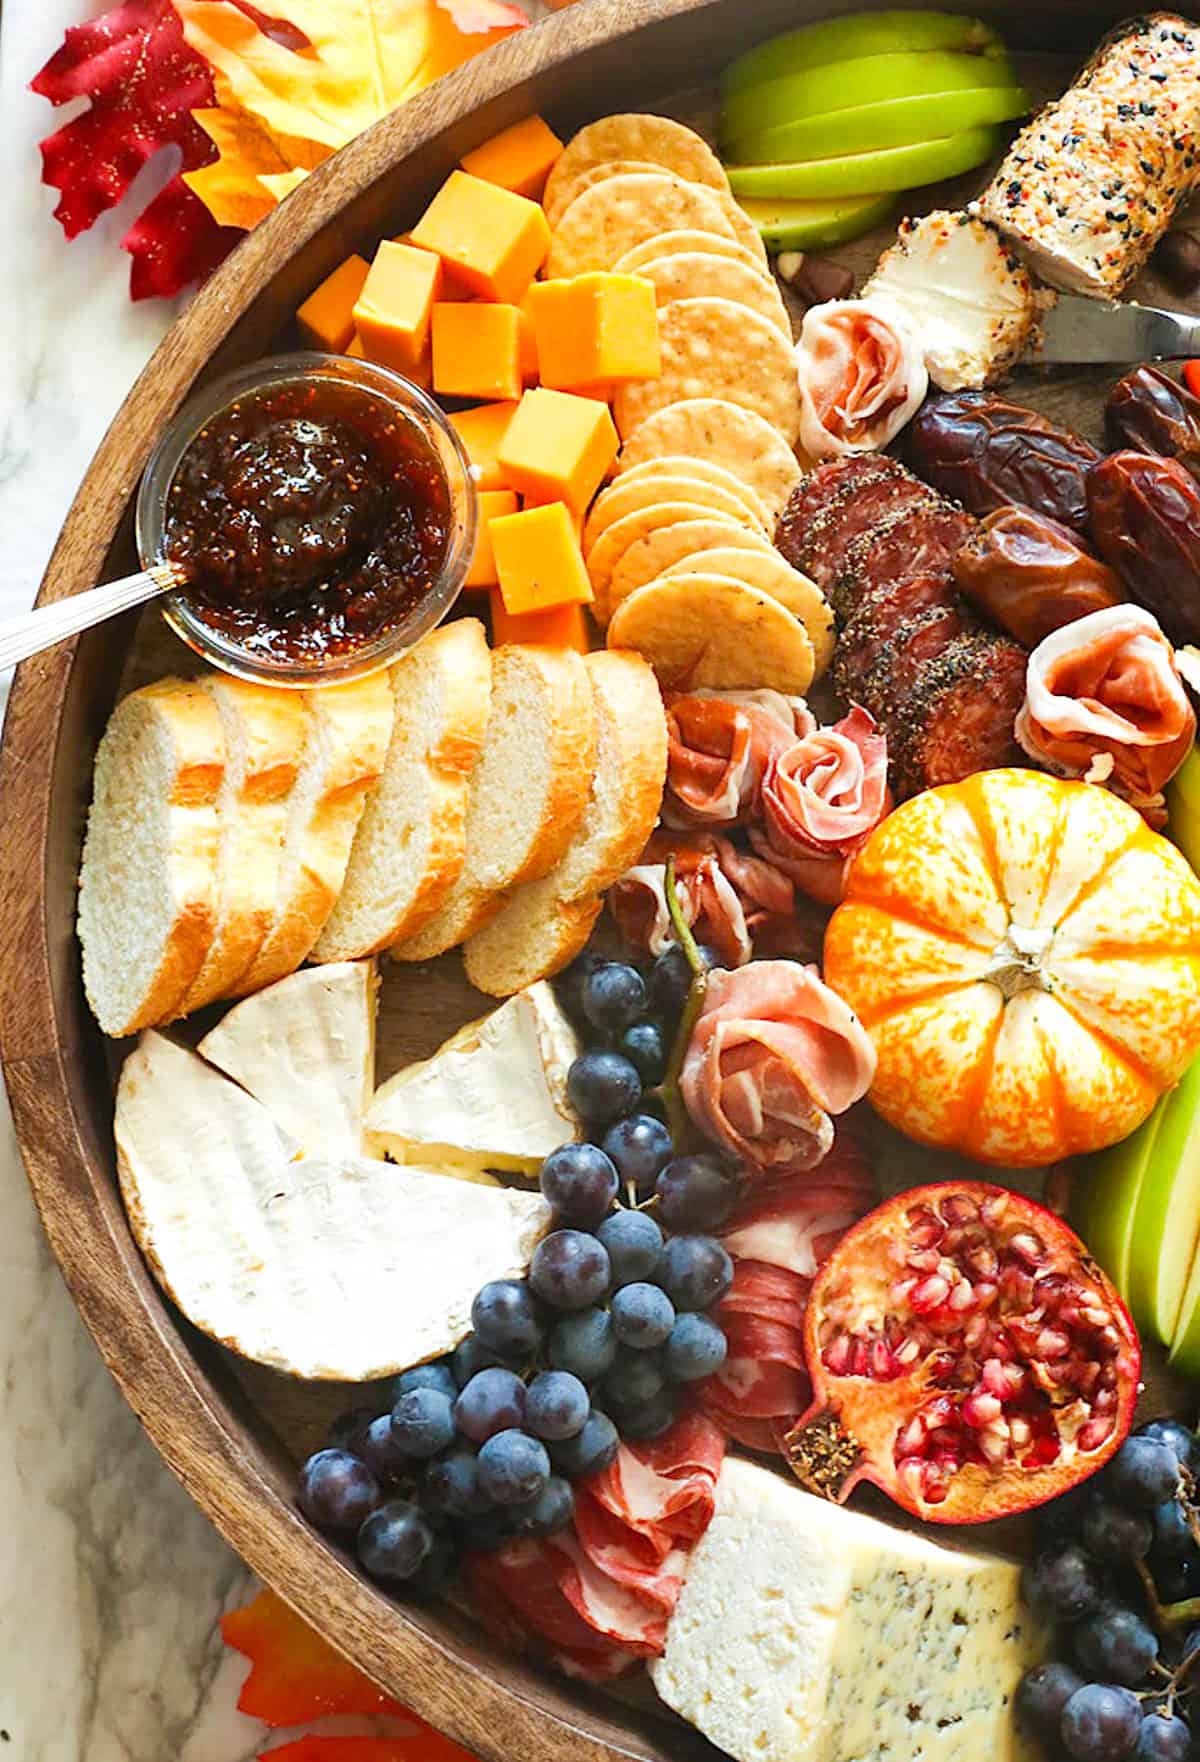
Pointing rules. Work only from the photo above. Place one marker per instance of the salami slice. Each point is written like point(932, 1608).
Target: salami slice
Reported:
point(817, 544)
point(916, 540)
point(961, 714)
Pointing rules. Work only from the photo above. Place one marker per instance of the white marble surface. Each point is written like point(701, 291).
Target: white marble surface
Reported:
point(112, 1579)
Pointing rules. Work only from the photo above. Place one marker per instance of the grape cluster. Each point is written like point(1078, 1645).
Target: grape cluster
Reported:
point(1117, 1561)
point(599, 1342)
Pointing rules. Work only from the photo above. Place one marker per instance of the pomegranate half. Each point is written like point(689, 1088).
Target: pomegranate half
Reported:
point(967, 1355)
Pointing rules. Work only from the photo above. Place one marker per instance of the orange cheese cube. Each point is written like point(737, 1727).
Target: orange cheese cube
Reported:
point(490, 503)
point(518, 158)
point(528, 347)
point(493, 240)
point(594, 330)
point(326, 319)
point(481, 431)
point(393, 311)
point(421, 374)
point(577, 515)
point(538, 560)
point(477, 350)
point(451, 288)
point(558, 447)
point(559, 627)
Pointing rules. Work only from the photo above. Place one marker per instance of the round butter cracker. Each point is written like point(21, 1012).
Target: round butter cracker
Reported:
point(727, 434)
point(713, 348)
point(612, 544)
point(653, 554)
point(603, 222)
point(673, 464)
point(557, 202)
point(668, 244)
point(769, 573)
point(697, 630)
point(638, 135)
point(630, 494)
point(691, 275)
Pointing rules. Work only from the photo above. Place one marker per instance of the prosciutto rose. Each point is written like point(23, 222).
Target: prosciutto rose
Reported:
point(725, 895)
point(822, 798)
point(1104, 700)
point(861, 372)
point(773, 1057)
point(720, 744)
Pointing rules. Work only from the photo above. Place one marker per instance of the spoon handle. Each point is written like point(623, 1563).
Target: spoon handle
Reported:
point(31, 632)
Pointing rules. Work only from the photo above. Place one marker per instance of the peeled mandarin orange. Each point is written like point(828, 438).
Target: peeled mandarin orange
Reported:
point(1025, 954)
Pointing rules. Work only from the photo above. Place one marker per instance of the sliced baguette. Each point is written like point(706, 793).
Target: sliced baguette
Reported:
point(264, 730)
point(348, 731)
point(148, 877)
point(543, 924)
point(411, 841)
point(528, 790)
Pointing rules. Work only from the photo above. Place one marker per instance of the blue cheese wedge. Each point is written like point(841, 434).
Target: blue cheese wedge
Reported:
point(964, 293)
point(331, 1267)
point(493, 1097)
point(305, 1048)
point(808, 1633)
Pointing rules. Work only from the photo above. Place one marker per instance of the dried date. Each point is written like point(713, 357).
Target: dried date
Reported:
point(1145, 516)
point(987, 453)
point(1148, 412)
point(1030, 575)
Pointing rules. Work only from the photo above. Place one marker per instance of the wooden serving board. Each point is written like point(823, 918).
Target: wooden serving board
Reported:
point(232, 1431)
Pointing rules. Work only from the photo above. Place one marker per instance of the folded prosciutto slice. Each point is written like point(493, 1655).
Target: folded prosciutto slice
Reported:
point(725, 895)
point(822, 797)
point(778, 1237)
point(597, 1597)
point(861, 371)
point(1104, 700)
point(720, 744)
point(774, 1054)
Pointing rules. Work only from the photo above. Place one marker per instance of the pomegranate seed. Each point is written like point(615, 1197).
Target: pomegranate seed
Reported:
point(1095, 1432)
point(994, 1208)
point(1094, 1316)
point(912, 1473)
point(984, 1261)
point(929, 1294)
point(936, 1489)
point(911, 1439)
point(985, 1294)
point(961, 1297)
point(1027, 1247)
point(900, 1292)
point(959, 1208)
point(1020, 1431)
point(980, 1410)
point(995, 1378)
point(926, 1260)
point(925, 1228)
point(908, 1352)
point(838, 1355)
point(975, 1331)
point(1051, 1343)
point(993, 1445)
point(1108, 1341)
point(882, 1361)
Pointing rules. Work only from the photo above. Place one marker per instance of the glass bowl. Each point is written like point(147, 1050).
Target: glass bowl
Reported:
point(405, 400)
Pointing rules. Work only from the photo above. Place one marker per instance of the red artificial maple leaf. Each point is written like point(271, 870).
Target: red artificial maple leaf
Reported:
point(296, 1675)
point(423, 1745)
point(143, 82)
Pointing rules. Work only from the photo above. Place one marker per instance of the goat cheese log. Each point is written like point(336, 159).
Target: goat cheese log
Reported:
point(944, 687)
point(1093, 182)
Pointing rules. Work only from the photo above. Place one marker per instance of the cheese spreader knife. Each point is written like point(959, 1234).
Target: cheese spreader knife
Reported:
point(1077, 329)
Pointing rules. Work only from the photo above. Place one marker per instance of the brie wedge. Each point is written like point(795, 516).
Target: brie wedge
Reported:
point(331, 1266)
point(493, 1097)
point(305, 1048)
point(808, 1633)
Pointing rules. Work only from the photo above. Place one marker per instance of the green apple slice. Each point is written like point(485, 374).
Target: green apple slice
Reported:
point(866, 33)
point(877, 79)
point(815, 226)
point(1167, 1224)
point(868, 174)
point(1104, 1199)
point(867, 128)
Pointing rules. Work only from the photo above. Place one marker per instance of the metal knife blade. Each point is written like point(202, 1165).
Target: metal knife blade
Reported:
point(1078, 330)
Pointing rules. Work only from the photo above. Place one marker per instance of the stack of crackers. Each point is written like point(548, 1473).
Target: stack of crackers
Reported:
point(679, 548)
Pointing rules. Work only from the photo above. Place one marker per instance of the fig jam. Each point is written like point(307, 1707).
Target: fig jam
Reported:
point(311, 518)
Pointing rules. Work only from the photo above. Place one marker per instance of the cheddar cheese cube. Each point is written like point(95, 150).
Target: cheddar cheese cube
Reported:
point(493, 240)
point(538, 560)
point(326, 319)
point(490, 504)
point(481, 431)
point(558, 627)
point(451, 288)
point(519, 158)
point(558, 447)
point(529, 358)
point(594, 330)
point(477, 350)
point(392, 314)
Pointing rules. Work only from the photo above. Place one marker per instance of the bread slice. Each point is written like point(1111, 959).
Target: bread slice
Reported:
point(412, 838)
point(528, 790)
point(148, 877)
point(264, 730)
point(543, 924)
point(348, 731)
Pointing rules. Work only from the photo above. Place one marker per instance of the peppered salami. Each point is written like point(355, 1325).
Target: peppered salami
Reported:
point(835, 505)
point(914, 540)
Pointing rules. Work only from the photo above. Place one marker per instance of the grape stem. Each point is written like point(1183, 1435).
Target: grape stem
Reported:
point(678, 1119)
point(1166, 1616)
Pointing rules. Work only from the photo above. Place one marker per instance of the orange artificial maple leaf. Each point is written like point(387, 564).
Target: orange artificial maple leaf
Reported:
point(296, 1676)
point(422, 1746)
point(295, 86)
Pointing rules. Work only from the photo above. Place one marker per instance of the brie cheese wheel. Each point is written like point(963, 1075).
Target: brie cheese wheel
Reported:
point(493, 1097)
point(808, 1633)
point(305, 1048)
point(331, 1266)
